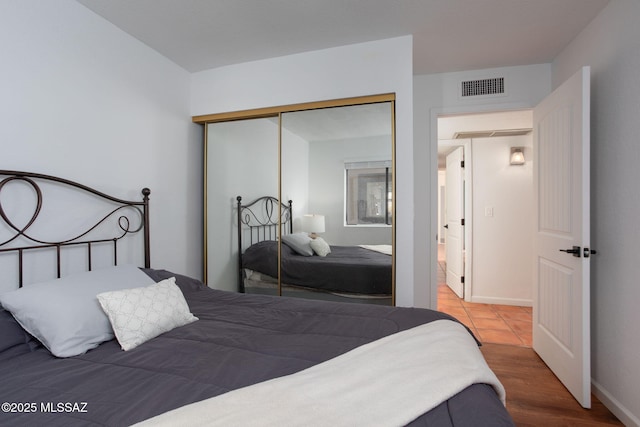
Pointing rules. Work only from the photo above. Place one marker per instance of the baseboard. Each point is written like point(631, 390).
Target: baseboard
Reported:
point(502, 301)
point(616, 408)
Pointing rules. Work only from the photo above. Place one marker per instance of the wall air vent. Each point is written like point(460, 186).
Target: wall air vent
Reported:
point(494, 86)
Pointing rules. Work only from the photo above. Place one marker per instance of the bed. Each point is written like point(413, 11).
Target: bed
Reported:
point(360, 273)
point(222, 362)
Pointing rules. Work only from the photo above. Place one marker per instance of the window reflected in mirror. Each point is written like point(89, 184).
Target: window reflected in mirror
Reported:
point(368, 195)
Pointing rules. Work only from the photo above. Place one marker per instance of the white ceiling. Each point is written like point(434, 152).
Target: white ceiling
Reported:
point(340, 123)
point(449, 35)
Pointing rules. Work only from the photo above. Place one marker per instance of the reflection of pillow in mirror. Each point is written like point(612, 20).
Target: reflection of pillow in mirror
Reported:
point(299, 242)
point(320, 247)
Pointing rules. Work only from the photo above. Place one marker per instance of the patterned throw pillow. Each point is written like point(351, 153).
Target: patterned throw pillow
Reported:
point(139, 314)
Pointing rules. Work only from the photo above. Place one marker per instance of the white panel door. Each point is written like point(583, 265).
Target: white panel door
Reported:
point(454, 240)
point(561, 332)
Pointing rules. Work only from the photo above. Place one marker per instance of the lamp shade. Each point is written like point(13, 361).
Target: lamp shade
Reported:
point(517, 156)
point(313, 223)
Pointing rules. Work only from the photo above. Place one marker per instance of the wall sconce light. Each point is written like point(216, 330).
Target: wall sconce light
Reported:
point(517, 156)
point(313, 224)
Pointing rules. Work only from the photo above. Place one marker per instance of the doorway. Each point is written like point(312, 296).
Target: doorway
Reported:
point(496, 298)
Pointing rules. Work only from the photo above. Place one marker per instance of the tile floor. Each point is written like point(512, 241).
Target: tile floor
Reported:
point(500, 324)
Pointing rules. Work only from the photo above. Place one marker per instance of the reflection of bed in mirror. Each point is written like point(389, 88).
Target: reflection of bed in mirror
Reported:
point(360, 273)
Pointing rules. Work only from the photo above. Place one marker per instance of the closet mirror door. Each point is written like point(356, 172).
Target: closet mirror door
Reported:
point(337, 169)
point(241, 159)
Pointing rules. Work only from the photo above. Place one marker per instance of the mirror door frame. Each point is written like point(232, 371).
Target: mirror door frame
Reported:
point(277, 111)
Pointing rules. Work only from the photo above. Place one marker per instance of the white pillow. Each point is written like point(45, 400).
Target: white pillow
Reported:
point(320, 247)
point(299, 242)
point(139, 314)
point(64, 314)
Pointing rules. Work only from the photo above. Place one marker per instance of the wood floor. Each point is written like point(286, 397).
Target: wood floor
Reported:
point(535, 397)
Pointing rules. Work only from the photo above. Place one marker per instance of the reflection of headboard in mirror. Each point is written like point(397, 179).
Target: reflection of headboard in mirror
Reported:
point(260, 220)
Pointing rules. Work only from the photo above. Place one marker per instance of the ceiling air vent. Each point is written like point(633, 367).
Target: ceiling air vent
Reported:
point(493, 86)
point(491, 133)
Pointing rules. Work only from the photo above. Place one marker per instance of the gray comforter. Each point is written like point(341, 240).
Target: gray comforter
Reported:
point(349, 269)
point(239, 340)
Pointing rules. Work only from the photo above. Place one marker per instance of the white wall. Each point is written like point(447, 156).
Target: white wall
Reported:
point(362, 69)
point(295, 175)
point(611, 46)
point(327, 183)
point(434, 95)
point(242, 161)
point(502, 242)
point(82, 100)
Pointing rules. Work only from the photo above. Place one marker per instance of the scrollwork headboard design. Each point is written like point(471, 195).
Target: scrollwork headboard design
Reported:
point(21, 239)
point(261, 218)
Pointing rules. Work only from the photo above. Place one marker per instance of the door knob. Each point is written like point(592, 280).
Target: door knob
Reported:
point(575, 251)
point(446, 226)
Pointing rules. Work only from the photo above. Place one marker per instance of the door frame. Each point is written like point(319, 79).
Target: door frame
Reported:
point(435, 113)
point(584, 391)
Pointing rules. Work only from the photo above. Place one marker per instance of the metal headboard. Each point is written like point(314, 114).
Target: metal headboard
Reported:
point(117, 205)
point(261, 217)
